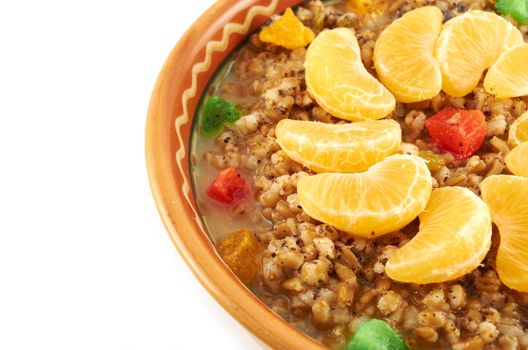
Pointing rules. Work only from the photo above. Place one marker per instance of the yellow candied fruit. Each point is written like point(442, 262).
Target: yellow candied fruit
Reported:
point(362, 7)
point(239, 251)
point(288, 31)
point(434, 161)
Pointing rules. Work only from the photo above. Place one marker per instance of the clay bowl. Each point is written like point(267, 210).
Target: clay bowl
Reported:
point(176, 95)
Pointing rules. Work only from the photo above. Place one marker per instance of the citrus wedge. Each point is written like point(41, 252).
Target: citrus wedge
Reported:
point(517, 160)
point(506, 197)
point(468, 45)
point(337, 79)
point(454, 237)
point(403, 55)
point(340, 148)
point(504, 79)
point(519, 130)
point(380, 200)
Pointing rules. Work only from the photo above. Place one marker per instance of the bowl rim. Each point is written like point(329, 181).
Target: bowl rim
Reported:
point(186, 233)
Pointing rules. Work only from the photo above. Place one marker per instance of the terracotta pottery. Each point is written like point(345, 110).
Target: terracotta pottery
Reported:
point(176, 95)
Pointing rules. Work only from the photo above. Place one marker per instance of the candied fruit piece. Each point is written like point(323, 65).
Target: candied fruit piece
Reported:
point(516, 9)
point(375, 7)
point(239, 251)
point(459, 131)
point(376, 335)
point(288, 31)
point(217, 112)
point(228, 187)
point(434, 161)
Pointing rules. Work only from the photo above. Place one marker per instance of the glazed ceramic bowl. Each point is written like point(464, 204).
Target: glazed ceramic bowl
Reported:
point(176, 95)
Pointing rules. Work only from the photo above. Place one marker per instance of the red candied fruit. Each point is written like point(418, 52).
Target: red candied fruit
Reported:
point(228, 187)
point(459, 131)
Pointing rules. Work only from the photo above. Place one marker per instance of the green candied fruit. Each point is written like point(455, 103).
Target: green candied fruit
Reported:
point(516, 9)
point(376, 335)
point(434, 161)
point(217, 111)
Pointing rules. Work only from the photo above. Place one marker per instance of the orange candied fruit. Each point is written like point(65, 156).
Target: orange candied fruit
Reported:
point(288, 31)
point(239, 251)
point(362, 7)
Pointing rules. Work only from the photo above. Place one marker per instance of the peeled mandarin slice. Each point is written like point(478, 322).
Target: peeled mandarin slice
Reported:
point(383, 199)
point(468, 45)
point(453, 239)
point(506, 196)
point(340, 148)
point(337, 79)
point(403, 55)
point(517, 160)
point(519, 130)
point(505, 79)
point(288, 31)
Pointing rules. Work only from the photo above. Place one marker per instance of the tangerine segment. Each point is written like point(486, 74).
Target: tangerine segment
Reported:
point(504, 79)
point(288, 31)
point(519, 130)
point(506, 197)
point(383, 199)
point(468, 45)
point(403, 55)
point(341, 148)
point(453, 239)
point(338, 81)
point(517, 160)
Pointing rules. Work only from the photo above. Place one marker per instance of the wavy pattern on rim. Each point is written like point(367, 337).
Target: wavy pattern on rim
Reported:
point(201, 67)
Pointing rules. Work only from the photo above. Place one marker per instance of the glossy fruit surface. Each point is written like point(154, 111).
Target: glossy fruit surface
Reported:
point(376, 335)
point(287, 31)
point(505, 78)
point(506, 196)
point(340, 148)
point(337, 79)
point(468, 45)
point(459, 131)
point(453, 239)
point(239, 251)
point(381, 200)
point(516, 9)
point(403, 55)
point(519, 130)
point(228, 186)
point(517, 160)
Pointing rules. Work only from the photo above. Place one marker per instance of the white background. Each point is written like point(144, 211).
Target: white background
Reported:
point(85, 262)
